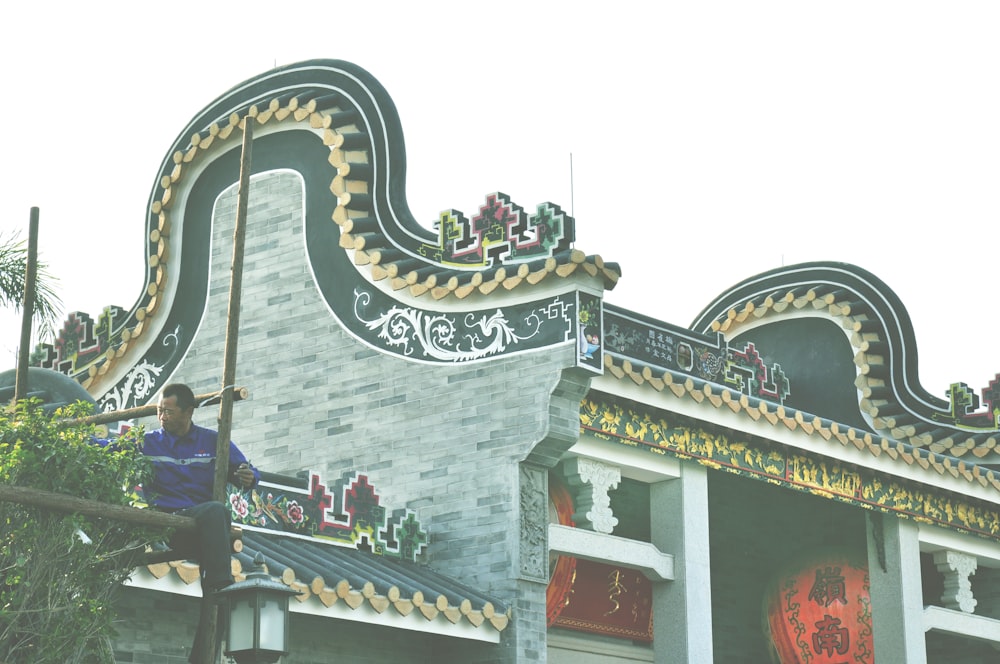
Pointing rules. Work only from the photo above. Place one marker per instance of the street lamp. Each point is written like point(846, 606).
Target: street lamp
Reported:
point(258, 617)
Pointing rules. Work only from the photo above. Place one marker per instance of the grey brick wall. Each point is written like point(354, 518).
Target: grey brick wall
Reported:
point(445, 441)
point(156, 628)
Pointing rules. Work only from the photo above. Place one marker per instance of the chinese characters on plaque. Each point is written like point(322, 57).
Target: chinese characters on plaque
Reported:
point(609, 600)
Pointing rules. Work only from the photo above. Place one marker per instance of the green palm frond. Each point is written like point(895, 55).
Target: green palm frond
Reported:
point(13, 267)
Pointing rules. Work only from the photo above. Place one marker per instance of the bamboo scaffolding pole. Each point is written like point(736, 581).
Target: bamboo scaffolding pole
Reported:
point(233, 319)
point(207, 640)
point(28, 309)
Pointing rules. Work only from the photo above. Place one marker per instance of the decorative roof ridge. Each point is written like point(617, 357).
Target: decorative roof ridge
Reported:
point(718, 396)
point(357, 122)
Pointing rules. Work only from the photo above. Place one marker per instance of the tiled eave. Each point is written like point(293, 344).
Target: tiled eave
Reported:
point(439, 281)
point(336, 581)
point(718, 397)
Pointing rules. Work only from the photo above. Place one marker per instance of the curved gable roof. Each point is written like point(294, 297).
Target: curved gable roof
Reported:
point(334, 123)
point(336, 126)
point(822, 349)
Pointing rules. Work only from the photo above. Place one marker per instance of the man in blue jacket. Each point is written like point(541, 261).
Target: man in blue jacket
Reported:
point(183, 456)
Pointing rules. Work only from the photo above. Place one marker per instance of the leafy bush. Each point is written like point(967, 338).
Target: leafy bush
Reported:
point(59, 572)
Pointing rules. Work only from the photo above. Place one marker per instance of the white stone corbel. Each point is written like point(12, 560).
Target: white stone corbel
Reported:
point(593, 507)
point(956, 568)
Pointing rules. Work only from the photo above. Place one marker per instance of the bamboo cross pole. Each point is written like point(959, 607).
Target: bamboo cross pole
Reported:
point(28, 308)
point(145, 518)
point(61, 502)
point(208, 399)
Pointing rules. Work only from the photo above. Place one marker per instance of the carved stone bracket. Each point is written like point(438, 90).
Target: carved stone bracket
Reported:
point(956, 568)
point(593, 504)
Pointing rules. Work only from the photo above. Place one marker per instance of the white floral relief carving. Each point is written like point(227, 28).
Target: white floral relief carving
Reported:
point(138, 384)
point(439, 336)
point(602, 478)
point(956, 568)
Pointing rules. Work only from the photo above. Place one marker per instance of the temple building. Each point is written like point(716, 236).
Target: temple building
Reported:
point(469, 456)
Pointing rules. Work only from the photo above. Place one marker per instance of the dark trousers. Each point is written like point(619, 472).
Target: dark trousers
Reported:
point(208, 544)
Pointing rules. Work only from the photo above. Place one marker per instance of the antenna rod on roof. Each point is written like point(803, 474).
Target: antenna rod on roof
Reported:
point(571, 206)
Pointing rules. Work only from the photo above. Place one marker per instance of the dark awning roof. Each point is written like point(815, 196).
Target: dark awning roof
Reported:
point(328, 577)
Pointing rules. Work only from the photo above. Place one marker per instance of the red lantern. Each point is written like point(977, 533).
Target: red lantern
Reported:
point(817, 610)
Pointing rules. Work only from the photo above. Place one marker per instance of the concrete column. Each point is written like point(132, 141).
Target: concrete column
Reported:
point(896, 589)
point(682, 609)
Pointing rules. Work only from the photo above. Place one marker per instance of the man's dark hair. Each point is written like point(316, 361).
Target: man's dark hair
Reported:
point(182, 393)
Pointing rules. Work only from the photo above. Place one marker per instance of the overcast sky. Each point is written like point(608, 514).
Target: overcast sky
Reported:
point(710, 141)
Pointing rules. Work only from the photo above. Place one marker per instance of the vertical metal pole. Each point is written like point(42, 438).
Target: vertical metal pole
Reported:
point(207, 640)
point(28, 309)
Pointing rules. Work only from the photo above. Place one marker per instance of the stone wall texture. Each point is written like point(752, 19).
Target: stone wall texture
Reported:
point(445, 441)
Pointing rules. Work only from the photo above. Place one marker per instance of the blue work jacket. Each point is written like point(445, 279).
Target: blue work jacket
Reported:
point(184, 467)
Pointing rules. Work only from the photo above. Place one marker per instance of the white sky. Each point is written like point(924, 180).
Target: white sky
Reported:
point(710, 140)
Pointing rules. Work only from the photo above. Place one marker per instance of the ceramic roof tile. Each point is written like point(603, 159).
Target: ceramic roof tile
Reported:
point(717, 396)
point(330, 574)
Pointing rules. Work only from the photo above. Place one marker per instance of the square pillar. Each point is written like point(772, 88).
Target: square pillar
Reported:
point(896, 589)
point(682, 608)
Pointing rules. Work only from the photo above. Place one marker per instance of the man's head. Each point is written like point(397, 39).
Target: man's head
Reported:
point(175, 408)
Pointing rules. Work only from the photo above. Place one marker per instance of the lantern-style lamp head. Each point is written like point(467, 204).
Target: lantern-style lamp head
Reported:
point(258, 617)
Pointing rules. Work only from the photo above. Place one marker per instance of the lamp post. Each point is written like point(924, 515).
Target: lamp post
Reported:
point(258, 617)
